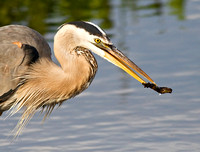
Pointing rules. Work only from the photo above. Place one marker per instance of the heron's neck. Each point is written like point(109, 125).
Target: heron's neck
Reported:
point(48, 84)
point(64, 45)
point(72, 77)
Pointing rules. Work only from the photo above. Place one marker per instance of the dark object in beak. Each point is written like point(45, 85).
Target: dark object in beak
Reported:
point(158, 89)
point(112, 54)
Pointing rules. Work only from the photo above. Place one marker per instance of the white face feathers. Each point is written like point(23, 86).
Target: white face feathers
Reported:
point(84, 34)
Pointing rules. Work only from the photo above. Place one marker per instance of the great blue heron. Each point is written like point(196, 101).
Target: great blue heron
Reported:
point(30, 80)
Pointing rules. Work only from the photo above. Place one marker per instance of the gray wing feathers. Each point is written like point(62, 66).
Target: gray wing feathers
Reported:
point(26, 35)
point(11, 56)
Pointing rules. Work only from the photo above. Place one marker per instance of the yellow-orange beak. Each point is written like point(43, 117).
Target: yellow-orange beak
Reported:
point(116, 57)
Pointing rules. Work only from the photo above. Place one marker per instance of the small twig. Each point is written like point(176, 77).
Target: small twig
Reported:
point(158, 89)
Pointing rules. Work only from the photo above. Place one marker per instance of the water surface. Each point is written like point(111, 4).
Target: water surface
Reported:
point(116, 113)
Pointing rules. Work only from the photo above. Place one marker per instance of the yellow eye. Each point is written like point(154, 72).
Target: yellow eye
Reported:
point(97, 40)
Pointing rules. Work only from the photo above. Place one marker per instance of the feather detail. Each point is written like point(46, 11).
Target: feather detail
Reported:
point(46, 85)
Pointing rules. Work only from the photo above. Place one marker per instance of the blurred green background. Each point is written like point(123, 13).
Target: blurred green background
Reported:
point(40, 15)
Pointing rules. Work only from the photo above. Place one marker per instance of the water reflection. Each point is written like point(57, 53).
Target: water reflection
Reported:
point(28, 12)
point(156, 7)
point(177, 8)
point(116, 113)
point(36, 13)
point(86, 10)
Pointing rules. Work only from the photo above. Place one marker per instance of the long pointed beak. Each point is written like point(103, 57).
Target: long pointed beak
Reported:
point(116, 57)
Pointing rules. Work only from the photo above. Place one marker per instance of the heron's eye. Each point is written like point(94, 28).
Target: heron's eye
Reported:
point(97, 40)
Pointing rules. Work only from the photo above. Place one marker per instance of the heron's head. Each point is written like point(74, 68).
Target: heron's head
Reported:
point(92, 37)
